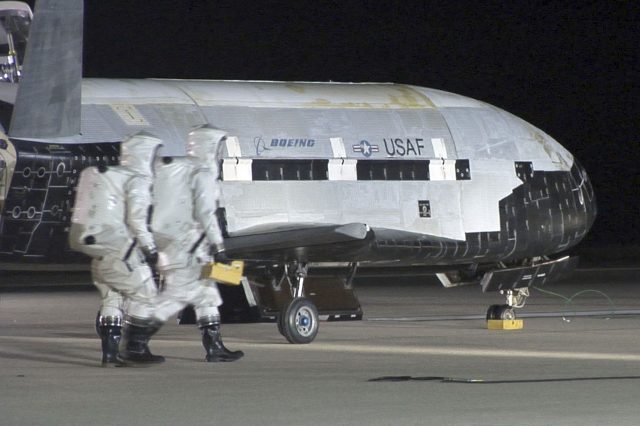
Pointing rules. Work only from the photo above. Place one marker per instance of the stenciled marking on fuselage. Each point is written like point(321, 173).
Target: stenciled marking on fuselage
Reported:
point(292, 143)
point(263, 145)
point(399, 147)
point(365, 148)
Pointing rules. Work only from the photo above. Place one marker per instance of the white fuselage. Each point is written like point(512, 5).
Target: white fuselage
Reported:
point(344, 124)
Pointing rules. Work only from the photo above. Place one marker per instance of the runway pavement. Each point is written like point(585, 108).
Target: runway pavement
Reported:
point(422, 356)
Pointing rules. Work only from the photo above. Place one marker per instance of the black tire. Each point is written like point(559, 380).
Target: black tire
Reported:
point(493, 312)
point(279, 321)
point(500, 312)
point(300, 321)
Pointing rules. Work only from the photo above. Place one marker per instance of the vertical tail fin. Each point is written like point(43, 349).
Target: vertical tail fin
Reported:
point(48, 99)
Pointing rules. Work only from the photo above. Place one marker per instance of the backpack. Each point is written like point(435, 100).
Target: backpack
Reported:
point(172, 217)
point(98, 225)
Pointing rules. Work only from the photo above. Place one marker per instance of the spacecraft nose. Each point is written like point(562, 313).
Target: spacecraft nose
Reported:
point(586, 197)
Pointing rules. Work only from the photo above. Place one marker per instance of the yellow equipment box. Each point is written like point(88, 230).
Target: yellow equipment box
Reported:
point(225, 273)
point(505, 324)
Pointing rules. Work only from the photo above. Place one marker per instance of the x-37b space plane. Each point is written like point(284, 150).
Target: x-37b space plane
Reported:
point(320, 181)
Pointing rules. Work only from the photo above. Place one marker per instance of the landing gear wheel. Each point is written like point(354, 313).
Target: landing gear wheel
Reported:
point(500, 312)
point(299, 321)
point(279, 321)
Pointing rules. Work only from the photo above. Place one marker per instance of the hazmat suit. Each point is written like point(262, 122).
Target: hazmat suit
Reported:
point(123, 276)
point(185, 227)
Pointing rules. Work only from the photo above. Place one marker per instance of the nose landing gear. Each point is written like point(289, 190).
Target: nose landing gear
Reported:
point(516, 298)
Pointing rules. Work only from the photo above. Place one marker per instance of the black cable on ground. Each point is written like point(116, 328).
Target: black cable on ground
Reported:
point(569, 300)
point(495, 382)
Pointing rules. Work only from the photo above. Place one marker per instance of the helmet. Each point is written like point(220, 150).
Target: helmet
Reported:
point(138, 153)
point(203, 144)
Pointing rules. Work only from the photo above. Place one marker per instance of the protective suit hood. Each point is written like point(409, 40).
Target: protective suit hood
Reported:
point(138, 153)
point(203, 144)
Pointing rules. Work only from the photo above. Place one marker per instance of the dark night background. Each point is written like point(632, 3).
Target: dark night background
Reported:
point(570, 68)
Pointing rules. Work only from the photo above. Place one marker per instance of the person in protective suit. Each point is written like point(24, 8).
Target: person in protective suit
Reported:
point(186, 193)
point(126, 282)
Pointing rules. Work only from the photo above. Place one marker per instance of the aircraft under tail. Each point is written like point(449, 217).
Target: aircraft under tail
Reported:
point(48, 100)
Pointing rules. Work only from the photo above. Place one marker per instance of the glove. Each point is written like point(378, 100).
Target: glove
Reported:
point(220, 256)
point(150, 256)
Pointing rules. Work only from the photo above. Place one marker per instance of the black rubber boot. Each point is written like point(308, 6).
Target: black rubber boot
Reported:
point(110, 331)
point(110, 336)
point(136, 342)
point(216, 351)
